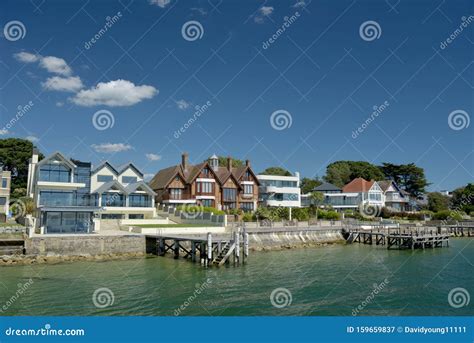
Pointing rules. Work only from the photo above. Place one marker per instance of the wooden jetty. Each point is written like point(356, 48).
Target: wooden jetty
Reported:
point(398, 239)
point(207, 250)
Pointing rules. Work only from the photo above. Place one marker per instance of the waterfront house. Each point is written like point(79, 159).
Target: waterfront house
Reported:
point(207, 184)
point(122, 193)
point(395, 198)
point(336, 198)
point(276, 190)
point(368, 192)
point(71, 198)
point(5, 184)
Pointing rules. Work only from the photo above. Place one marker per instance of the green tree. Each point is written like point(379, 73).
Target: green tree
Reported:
point(235, 162)
point(342, 172)
point(409, 177)
point(463, 198)
point(317, 199)
point(276, 171)
point(307, 185)
point(14, 156)
point(438, 202)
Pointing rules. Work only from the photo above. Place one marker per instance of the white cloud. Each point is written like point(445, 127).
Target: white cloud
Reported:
point(153, 157)
point(32, 139)
point(114, 93)
point(27, 57)
point(148, 177)
point(63, 84)
point(160, 3)
point(3, 132)
point(59, 104)
point(299, 4)
point(266, 10)
point(55, 65)
point(111, 147)
point(183, 104)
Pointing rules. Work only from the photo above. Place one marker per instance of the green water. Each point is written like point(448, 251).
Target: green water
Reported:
point(330, 280)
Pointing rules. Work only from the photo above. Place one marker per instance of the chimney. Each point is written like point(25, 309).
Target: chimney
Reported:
point(229, 163)
point(184, 160)
point(247, 163)
point(34, 158)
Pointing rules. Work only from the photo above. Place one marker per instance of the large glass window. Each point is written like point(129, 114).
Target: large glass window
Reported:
point(113, 200)
point(248, 189)
point(207, 202)
point(129, 179)
point(56, 198)
point(176, 193)
point(67, 222)
point(204, 187)
point(375, 196)
point(104, 178)
point(54, 172)
point(230, 194)
point(139, 200)
point(246, 206)
point(278, 183)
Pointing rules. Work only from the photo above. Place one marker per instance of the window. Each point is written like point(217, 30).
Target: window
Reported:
point(205, 171)
point(139, 200)
point(230, 194)
point(247, 176)
point(54, 172)
point(203, 187)
point(207, 202)
point(67, 222)
point(247, 206)
point(3, 200)
point(112, 216)
point(113, 199)
point(49, 198)
point(136, 216)
point(104, 178)
point(129, 179)
point(248, 189)
point(176, 193)
point(4, 183)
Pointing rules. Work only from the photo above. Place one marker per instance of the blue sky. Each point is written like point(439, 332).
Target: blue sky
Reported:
point(323, 74)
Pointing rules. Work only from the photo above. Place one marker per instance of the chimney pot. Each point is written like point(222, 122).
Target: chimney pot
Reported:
point(184, 160)
point(229, 163)
point(247, 163)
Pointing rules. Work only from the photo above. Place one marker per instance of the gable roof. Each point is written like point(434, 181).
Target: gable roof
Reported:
point(119, 170)
point(326, 186)
point(61, 157)
point(108, 185)
point(358, 185)
point(134, 186)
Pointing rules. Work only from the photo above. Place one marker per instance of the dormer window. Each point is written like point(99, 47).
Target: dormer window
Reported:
point(129, 179)
point(205, 171)
point(104, 178)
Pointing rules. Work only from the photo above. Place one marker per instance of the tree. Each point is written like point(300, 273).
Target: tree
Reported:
point(235, 162)
point(307, 185)
point(276, 171)
point(14, 155)
point(409, 177)
point(342, 172)
point(438, 202)
point(463, 199)
point(317, 199)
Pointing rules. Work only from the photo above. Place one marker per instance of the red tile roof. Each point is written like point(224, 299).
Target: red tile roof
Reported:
point(358, 185)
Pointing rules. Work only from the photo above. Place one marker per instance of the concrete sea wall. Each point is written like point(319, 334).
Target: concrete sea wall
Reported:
point(293, 239)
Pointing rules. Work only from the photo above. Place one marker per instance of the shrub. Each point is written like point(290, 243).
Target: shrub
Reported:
point(300, 214)
point(247, 217)
point(447, 214)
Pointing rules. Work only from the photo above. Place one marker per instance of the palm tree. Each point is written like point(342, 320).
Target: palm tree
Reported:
point(317, 199)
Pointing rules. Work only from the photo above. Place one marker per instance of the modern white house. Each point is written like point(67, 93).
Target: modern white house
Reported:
point(279, 191)
point(71, 198)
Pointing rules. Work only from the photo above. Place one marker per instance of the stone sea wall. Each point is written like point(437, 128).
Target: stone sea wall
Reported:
point(80, 245)
point(259, 241)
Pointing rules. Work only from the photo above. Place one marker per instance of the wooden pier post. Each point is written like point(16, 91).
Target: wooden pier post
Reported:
point(246, 245)
point(193, 251)
point(209, 248)
point(176, 249)
point(237, 246)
